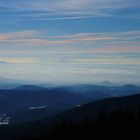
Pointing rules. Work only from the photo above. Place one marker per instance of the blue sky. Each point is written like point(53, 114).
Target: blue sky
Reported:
point(70, 41)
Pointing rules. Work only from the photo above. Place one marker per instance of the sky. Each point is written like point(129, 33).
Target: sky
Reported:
point(70, 41)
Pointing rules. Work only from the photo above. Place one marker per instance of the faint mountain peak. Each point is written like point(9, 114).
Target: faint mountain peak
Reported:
point(130, 86)
point(106, 83)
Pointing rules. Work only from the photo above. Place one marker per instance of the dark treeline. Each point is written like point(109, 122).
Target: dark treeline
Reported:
point(116, 125)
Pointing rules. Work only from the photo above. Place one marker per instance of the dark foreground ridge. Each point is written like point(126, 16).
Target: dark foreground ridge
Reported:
point(116, 118)
point(122, 124)
point(115, 125)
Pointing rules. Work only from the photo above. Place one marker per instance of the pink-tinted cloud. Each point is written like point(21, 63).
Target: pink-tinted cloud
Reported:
point(3, 38)
point(17, 60)
point(86, 42)
point(118, 49)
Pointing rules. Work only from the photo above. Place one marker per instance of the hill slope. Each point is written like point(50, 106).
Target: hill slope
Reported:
point(19, 104)
point(93, 109)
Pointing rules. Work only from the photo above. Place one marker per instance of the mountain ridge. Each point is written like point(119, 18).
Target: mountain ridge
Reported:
point(29, 87)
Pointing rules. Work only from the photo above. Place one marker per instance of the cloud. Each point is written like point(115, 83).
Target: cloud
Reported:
point(3, 38)
point(3, 62)
point(112, 49)
point(114, 61)
point(20, 52)
point(62, 9)
point(38, 43)
point(73, 5)
point(17, 35)
point(109, 41)
point(16, 60)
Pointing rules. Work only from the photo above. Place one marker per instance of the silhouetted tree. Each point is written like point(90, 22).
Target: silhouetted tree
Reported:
point(121, 124)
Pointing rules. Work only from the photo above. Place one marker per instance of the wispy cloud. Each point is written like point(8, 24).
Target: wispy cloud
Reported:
point(16, 60)
point(113, 61)
point(113, 49)
point(87, 42)
point(62, 9)
point(3, 38)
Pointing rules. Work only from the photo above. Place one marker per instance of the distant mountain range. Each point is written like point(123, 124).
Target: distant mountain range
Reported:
point(7, 83)
point(101, 91)
point(30, 87)
point(23, 101)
